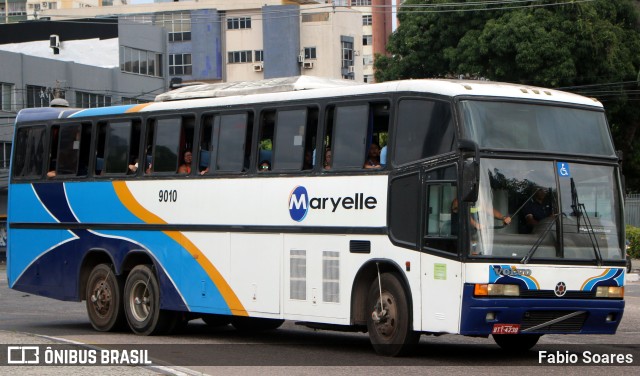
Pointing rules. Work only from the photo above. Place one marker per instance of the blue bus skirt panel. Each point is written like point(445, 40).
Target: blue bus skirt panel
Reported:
point(601, 316)
point(48, 261)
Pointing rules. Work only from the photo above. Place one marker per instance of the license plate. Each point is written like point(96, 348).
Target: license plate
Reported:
point(505, 329)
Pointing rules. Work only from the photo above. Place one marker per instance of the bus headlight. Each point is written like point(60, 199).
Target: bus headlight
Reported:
point(483, 289)
point(609, 292)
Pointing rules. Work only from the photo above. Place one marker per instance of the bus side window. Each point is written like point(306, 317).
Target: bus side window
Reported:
point(118, 139)
point(424, 129)
point(265, 138)
point(53, 151)
point(28, 161)
point(288, 150)
point(223, 146)
point(73, 150)
point(167, 140)
point(348, 136)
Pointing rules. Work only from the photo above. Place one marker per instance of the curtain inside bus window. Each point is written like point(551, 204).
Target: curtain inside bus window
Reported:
point(29, 145)
point(289, 136)
point(349, 136)
point(167, 143)
point(117, 148)
point(425, 129)
point(231, 131)
point(68, 150)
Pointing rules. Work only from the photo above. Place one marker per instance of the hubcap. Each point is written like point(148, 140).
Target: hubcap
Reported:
point(139, 301)
point(385, 315)
point(101, 297)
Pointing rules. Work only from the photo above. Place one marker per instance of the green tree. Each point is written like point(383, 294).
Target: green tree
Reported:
point(592, 48)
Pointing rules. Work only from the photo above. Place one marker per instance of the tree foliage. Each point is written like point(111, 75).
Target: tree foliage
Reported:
point(591, 48)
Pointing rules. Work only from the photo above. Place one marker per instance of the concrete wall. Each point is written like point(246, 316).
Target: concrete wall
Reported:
point(207, 57)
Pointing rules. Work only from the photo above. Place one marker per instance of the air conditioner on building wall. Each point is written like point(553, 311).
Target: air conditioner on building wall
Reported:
point(300, 58)
point(258, 67)
point(350, 68)
point(307, 65)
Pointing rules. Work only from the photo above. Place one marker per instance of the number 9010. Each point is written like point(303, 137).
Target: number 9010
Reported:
point(167, 195)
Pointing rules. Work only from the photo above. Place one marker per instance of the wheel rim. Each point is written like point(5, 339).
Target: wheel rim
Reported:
point(140, 301)
point(387, 316)
point(101, 297)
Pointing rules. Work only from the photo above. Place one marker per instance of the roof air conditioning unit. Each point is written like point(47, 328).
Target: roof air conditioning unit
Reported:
point(307, 65)
point(300, 58)
point(258, 67)
point(350, 69)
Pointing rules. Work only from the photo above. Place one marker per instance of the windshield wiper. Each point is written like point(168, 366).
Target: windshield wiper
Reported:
point(580, 209)
point(536, 245)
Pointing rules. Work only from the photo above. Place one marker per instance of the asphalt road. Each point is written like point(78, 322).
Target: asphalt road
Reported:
point(29, 319)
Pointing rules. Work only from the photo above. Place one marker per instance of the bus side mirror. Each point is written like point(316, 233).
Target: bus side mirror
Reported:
point(470, 171)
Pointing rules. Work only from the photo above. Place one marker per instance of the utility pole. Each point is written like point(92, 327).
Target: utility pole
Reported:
point(6, 11)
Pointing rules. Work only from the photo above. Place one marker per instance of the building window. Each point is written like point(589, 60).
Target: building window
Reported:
point(309, 52)
point(367, 20)
point(178, 25)
point(361, 3)
point(315, 17)
point(40, 96)
point(179, 64)
point(133, 60)
point(5, 149)
point(89, 100)
point(258, 55)
point(367, 60)
point(367, 40)
point(238, 23)
point(368, 79)
point(6, 97)
point(239, 57)
point(347, 59)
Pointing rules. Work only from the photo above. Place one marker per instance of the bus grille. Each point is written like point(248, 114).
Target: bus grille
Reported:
point(571, 325)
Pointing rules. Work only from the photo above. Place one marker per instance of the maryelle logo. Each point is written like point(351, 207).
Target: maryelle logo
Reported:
point(298, 203)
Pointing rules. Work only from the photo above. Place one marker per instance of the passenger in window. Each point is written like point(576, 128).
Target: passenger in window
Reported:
point(133, 167)
point(373, 157)
point(327, 159)
point(264, 166)
point(536, 209)
point(185, 167)
point(308, 160)
point(473, 219)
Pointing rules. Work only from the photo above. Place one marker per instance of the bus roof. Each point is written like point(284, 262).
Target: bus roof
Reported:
point(305, 87)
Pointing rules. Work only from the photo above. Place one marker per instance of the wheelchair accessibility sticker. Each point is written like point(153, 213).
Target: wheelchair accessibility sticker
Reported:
point(563, 170)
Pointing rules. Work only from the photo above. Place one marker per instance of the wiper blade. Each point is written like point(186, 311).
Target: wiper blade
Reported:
point(536, 245)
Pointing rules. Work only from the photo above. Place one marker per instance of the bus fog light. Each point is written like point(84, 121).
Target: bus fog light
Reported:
point(611, 317)
point(610, 292)
point(491, 316)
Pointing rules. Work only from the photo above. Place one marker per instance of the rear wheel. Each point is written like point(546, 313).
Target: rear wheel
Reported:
point(388, 319)
point(103, 296)
point(516, 342)
point(142, 303)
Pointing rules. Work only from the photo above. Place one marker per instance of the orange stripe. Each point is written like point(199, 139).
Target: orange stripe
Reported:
point(126, 197)
point(592, 278)
point(137, 107)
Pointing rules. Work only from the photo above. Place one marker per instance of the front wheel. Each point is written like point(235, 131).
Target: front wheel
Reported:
point(103, 296)
point(142, 303)
point(388, 318)
point(516, 342)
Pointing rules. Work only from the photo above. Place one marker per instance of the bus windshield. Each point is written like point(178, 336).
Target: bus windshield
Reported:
point(543, 128)
point(532, 210)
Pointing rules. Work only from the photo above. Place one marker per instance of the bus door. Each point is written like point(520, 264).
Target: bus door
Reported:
point(440, 265)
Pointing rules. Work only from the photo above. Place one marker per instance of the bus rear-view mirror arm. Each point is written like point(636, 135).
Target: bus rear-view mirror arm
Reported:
point(470, 171)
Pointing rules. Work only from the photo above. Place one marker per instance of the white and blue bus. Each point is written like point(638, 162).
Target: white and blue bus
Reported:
point(400, 208)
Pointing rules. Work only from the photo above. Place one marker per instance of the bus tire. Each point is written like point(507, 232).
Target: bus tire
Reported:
point(516, 342)
point(103, 294)
point(142, 303)
point(390, 330)
point(249, 324)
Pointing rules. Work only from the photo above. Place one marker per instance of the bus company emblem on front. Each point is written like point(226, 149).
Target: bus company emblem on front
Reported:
point(508, 272)
point(300, 203)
